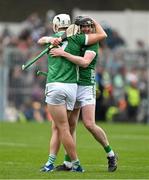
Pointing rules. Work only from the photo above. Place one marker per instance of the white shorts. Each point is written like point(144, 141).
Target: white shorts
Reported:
point(61, 93)
point(85, 95)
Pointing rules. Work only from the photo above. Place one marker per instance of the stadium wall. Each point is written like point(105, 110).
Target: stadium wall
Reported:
point(132, 25)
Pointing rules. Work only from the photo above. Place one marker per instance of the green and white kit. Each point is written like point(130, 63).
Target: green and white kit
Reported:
point(64, 72)
point(86, 92)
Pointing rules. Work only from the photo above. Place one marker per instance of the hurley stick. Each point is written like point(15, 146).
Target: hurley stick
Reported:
point(70, 31)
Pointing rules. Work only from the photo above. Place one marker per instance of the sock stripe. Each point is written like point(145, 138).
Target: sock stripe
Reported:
point(51, 159)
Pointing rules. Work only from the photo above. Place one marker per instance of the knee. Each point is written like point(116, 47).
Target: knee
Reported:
point(89, 125)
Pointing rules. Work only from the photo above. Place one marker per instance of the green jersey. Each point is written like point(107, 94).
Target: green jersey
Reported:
point(87, 75)
point(60, 69)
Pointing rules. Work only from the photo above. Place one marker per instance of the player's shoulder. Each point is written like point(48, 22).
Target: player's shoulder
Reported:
point(78, 36)
point(80, 39)
point(58, 34)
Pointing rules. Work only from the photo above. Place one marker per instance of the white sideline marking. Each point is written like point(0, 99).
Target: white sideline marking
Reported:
point(13, 144)
point(130, 136)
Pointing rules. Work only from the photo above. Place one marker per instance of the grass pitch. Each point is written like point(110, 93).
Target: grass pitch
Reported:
point(24, 149)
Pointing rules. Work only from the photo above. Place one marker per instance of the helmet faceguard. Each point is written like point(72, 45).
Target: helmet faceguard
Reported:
point(84, 21)
point(61, 21)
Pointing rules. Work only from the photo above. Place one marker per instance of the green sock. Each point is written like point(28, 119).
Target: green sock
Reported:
point(67, 158)
point(107, 149)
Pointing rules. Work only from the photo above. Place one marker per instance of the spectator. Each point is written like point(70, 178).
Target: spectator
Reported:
point(133, 100)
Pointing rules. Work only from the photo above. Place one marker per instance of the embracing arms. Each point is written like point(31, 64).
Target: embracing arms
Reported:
point(81, 61)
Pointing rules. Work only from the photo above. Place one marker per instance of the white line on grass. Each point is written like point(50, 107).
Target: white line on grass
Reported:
point(130, 136)
point(13, 144)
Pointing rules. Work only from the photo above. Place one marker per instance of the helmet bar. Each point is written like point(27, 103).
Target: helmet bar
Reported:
point(83, 21)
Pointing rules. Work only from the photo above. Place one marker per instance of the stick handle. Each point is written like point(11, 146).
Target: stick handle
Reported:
point(29, 63)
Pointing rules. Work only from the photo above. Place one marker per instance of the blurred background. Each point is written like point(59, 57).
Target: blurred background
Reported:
point(122, 71)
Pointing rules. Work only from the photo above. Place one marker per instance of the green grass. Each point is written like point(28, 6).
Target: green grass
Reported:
point(24, 149)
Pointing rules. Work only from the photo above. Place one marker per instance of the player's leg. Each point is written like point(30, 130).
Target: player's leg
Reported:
point(62, 124)
point(61, 97)
point(59, 115)
point(73, 119)
point(53, 149)
point(88, 118)
point(55, 145)
point(55, 141)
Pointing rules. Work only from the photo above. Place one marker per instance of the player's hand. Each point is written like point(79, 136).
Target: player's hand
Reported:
point(56, 52)
point(55, 41)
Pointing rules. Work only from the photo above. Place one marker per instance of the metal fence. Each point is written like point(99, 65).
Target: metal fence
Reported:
point(19, 89)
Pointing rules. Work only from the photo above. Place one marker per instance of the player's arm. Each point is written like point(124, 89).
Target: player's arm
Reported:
point(96, 37)
point(81, 61)
point(47, 39)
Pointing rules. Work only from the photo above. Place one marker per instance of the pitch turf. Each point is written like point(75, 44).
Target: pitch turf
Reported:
point(24, 149)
